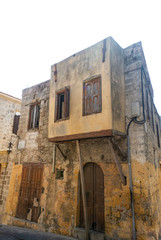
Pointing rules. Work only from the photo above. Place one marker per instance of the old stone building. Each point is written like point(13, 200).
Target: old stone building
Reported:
point(88, 158)
point(9, 118)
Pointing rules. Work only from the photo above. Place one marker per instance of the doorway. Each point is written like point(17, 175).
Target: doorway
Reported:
point(30, 192)
point(94, 185)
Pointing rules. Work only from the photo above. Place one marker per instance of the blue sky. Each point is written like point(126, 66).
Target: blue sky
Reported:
point(35, 34)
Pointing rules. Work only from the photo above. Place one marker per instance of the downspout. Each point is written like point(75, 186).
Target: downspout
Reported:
point(130, 180)
point(129, 156)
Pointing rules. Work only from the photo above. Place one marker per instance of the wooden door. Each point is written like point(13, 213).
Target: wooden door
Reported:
point(94, 185)
point(30, 192)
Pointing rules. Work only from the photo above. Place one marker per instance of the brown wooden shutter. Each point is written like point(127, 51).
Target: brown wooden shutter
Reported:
point(16, 123)
point(88, 98)
point(56, 107)
point(92, 96)
point(96, 97)
point(66, 102)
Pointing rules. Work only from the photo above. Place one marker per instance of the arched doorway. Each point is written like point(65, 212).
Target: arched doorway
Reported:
point(94, 185)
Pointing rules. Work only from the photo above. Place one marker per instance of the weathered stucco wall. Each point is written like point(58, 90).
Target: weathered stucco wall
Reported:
point(8, 108)
point(13, 194)
point(72, 72)
point(117, 87)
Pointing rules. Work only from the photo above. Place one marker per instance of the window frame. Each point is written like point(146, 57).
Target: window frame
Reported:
point(66, 92)
point(91, 80)
point(33, 105)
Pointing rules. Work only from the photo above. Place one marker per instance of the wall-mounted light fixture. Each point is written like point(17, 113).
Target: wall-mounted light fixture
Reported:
point(9, 147)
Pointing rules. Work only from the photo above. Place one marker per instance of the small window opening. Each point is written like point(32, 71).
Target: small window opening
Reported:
point(34, 115)
point(61, 107)
point(62, 104)
point(158, 137)
point(16, 122)
point(147, 102)
point(59, 174)
point(152, 116)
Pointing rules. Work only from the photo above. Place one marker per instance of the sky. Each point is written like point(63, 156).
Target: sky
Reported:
point(35, 34)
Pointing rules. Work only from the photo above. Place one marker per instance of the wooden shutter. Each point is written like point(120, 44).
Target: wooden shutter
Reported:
point(59, 112)
point(16, 123)
point(56, 107)
point(96, 96)
point(88, 98)
point(31, 117)
point(66, 102)
point(92, 96)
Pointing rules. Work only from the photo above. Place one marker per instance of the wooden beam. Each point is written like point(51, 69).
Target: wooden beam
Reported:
point(119, 151)
point(61, 152)
point(83, 191)
point(123, 179)
point(97, 134)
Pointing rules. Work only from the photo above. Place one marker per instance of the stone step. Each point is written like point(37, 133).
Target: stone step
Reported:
point(80, 234)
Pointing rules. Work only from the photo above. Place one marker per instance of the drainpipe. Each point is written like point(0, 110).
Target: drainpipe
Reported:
point(130, 180)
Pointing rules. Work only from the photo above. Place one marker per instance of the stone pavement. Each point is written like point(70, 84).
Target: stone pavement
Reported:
point(18, 233)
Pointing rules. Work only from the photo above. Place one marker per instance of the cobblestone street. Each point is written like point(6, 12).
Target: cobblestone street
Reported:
point(18, 233)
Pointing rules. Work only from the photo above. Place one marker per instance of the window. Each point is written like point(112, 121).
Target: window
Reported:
point(62, 104)
point(59, 174)
point(92, 102)
point(152, 116)
point(147, 102)
point(34, 116)
point(158, 137)
point(16, 123)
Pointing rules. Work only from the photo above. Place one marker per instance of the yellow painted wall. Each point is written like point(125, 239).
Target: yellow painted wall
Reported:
point(73, 72)
point(13, 194)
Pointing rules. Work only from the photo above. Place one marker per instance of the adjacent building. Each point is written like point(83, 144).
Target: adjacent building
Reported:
point(87, 162)
point(9, 119)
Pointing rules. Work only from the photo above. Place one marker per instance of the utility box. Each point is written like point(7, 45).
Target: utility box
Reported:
point(87, 93)
point(135, 109)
